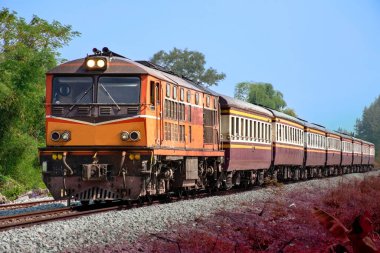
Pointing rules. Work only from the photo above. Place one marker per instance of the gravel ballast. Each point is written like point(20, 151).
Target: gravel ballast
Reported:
point(126, 226)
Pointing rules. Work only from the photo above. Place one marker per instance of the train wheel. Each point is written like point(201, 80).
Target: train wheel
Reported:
point(274, 176)
point(260, 178)
point(140, 201)
point(305, 173)
point(149, 199)
point(180, 193)
point(296, 174)
point(84, 202)
point(236, 179)
point(229, 180)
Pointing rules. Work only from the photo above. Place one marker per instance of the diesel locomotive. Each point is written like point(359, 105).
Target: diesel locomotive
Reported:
point(123, 129)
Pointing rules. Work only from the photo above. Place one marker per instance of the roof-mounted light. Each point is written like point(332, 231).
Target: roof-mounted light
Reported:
point(96, 63)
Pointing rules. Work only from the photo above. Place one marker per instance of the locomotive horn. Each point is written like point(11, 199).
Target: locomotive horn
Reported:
point(95, 50)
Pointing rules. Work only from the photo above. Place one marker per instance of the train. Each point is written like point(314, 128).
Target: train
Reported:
point(118, 129)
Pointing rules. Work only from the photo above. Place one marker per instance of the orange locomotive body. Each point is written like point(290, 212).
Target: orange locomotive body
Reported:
point(120, 129)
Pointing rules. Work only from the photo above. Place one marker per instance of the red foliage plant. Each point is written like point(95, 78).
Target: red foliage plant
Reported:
point(360, 234)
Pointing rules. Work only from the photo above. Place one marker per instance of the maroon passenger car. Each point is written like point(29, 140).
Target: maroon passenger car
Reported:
point(246, 135)
point(347, 147)
point(334, 149)
point(315, 146)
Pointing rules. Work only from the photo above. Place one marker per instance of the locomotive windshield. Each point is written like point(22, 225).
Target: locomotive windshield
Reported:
point(72, 90)
point(110, 90)
point(120, 90)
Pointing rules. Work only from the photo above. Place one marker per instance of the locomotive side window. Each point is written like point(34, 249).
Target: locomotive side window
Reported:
point(124, 90)
point(168, 90)
point(174, 92)
point(152, 92)
point(72, 90)
point(158, 93)
point(182, 94)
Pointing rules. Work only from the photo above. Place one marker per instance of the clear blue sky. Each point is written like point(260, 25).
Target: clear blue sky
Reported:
point(324, 56)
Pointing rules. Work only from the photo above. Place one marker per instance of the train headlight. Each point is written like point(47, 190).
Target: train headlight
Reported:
point(59, 156)
point(100, 63)
point(65, 136)
point(96, 63)
point(124, 136)
point(54, 156)
point(55, 136)
point(135, 136)
point(137, 156)
point(131, 156)
point(90, 63)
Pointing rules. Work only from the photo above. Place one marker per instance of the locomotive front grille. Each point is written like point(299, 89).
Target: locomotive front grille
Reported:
point(96, 193)
point(105, 110)
point(58, 110)
point(132, 110)
point(83, 110)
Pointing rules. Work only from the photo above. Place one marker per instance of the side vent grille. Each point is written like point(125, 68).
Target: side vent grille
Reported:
point(132, 110)
point(83, 110)
point(103, 110)
point(58, 110)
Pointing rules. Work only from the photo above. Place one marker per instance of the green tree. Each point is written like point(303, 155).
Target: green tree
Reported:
point(262, 94)
point(27, 51)
point(190, 64)
point(368, 127)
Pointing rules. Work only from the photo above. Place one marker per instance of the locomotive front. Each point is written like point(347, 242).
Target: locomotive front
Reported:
point(96, 136)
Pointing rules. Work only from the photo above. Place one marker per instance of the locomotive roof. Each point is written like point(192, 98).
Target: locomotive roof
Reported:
point(120, 65)
point(227, 101)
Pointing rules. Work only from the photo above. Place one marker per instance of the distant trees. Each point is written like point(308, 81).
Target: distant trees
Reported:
point(190, 64)
point(344, 131)
point(262, 94)
point(368, 126)
point(27, 51)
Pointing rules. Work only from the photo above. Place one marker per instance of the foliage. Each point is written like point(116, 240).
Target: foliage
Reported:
point(344, 131)
point(190, 64)
point(27, 51)
point(368, 127)
point(262, 94)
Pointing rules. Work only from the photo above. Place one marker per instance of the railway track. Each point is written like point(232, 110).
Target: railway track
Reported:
point(26, 204)
point(39, 217)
